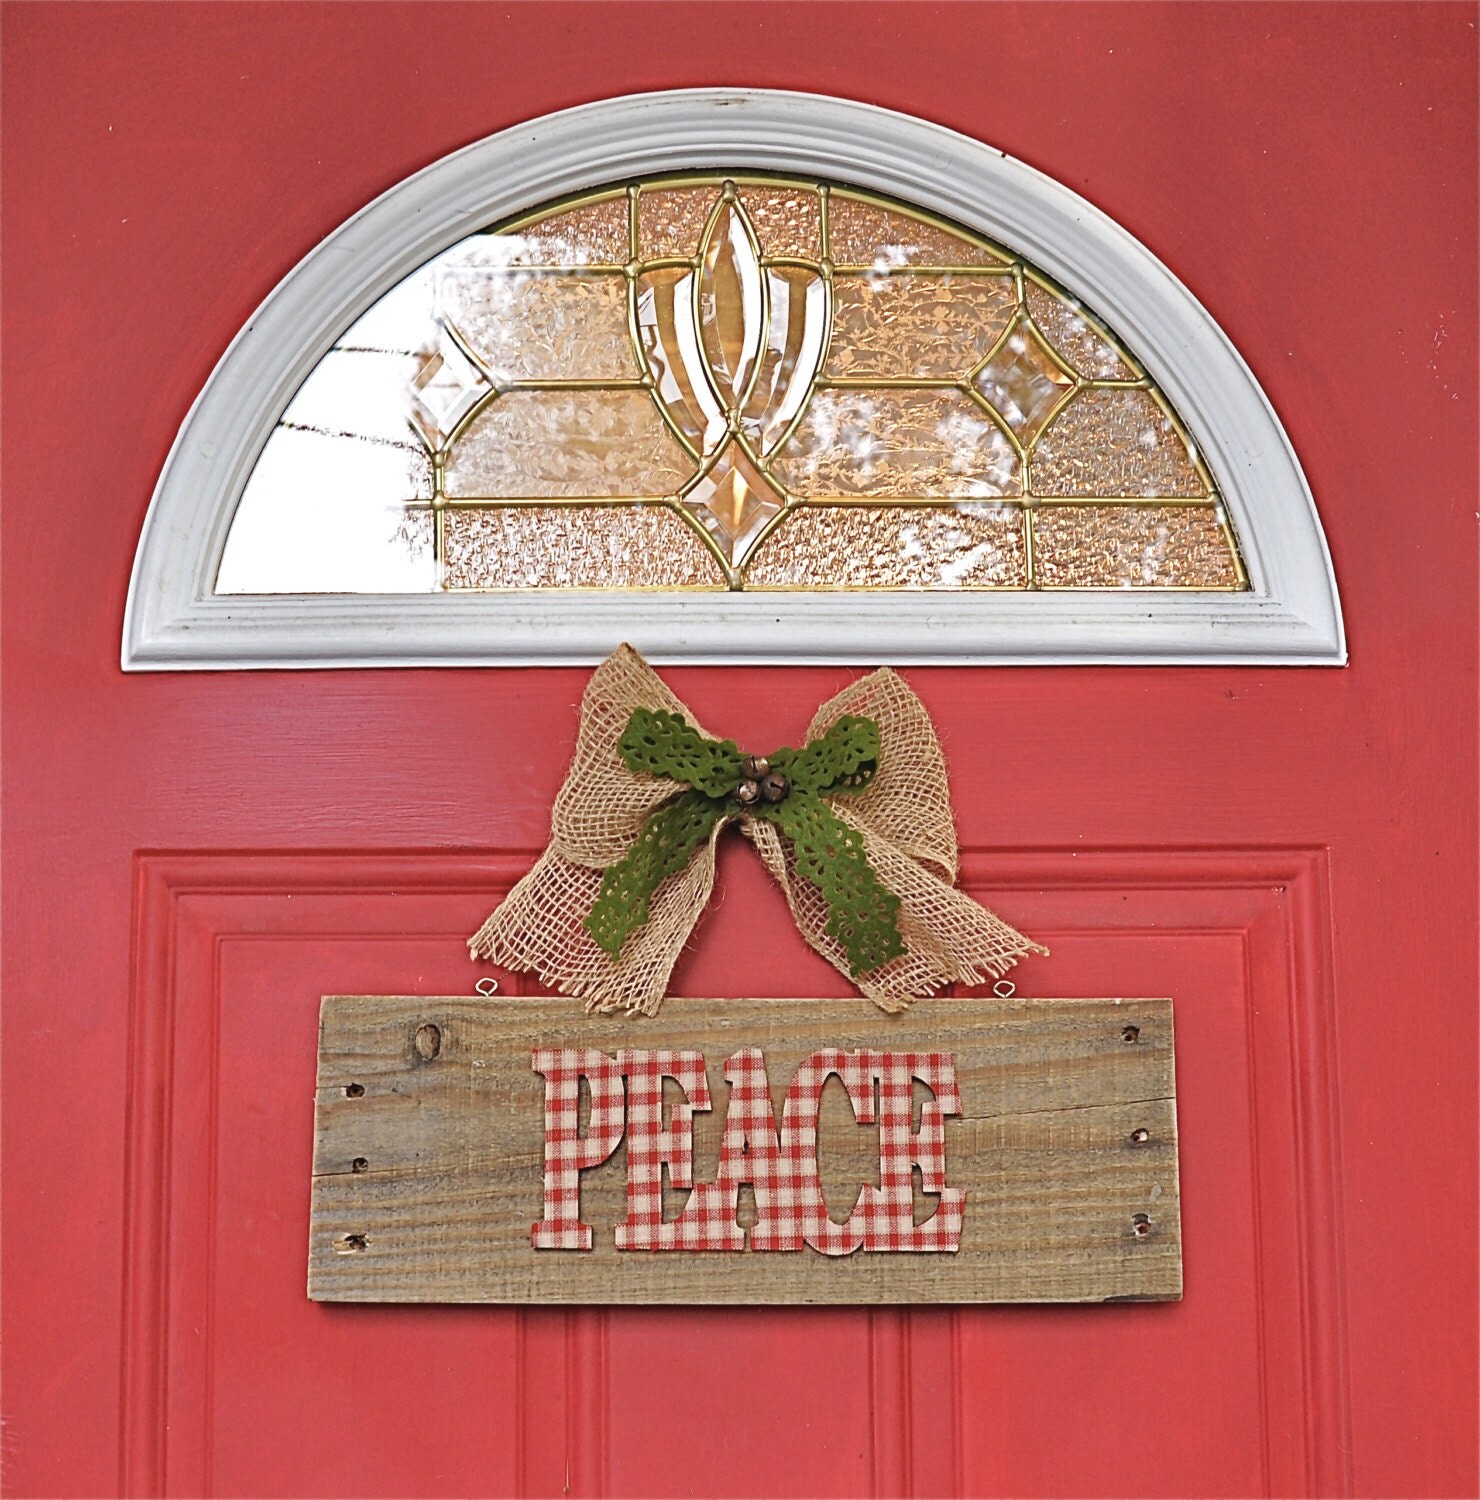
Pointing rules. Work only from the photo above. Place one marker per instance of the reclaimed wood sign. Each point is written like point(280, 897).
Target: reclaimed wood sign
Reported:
point(767, 1151)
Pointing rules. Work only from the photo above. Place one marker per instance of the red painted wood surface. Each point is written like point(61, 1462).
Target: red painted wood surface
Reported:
point(190, 860)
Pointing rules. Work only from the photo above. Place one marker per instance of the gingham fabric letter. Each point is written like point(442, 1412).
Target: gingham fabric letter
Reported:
point(567, 1152)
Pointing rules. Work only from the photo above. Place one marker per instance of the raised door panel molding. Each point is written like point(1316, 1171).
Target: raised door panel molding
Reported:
point(1289, 614)
point(234, 949)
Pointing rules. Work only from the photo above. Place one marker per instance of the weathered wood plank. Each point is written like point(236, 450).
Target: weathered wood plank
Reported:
point(429, 1168)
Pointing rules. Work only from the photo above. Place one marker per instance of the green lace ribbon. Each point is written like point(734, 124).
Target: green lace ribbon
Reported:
point(863, 914)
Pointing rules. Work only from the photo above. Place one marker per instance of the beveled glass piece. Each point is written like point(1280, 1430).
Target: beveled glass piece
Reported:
point(896, 326)
point(1113, 442)
point(864, 233)
point(976, 545)
point(445, 388)
point(527, 325)
point(731, 311)
point(1022, 382)
point(796, 340)
point(574, 443)
point(734, 503)
point(575, 546)
point(898, 444)
point(1075, 338)
point(1132, 547)
point(670, 340)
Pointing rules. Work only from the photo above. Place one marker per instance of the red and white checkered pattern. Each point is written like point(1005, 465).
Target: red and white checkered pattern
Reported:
point(887, 1212)
point(781, 1166)
point(567, 1151)
point(748, 1153)
point(651, 1145)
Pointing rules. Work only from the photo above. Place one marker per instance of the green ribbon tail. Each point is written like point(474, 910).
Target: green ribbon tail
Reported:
point(863, 913)
point(670, 838)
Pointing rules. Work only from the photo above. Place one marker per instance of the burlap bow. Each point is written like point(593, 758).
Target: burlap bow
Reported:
point(607, 909)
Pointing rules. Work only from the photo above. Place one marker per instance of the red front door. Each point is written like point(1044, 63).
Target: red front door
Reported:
point(193, 859)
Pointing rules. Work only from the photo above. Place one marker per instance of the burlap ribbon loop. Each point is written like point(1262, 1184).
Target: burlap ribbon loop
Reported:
point(867, 858)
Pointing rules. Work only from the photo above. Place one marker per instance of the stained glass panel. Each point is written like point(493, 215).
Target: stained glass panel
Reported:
point(749, 383)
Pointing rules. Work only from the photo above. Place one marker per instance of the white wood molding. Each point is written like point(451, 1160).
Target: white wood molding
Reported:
point(1291, 615)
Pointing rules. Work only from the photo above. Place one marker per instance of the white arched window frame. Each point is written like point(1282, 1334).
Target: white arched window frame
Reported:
point(1290, 614)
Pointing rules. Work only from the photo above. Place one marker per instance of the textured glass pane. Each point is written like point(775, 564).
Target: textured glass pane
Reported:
point(567, 546)
point(787, 220)
point(527, 326)
point(593, 234)
point(567, 443)
point(925, 326)
point(864, 234)
point(1113, 442)
point(1131, 546)
point(897, 443)
point(324, 514)
point(1077, 340)
point(670, 221)
point(899, 547)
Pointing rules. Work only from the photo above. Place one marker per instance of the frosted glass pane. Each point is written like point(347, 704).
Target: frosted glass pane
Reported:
point(898, 326)
point(567, 443)
point(567, 546)
point(592, 234)
point(974, 546)
point(1131, 546)
point(864, 234)
point(898, 444)
point(787, 220)
point(1113, 442)
point(670, 221)
point(1076, 339)
point(524, 326)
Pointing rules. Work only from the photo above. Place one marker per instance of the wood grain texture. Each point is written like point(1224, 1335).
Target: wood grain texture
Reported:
point(428, 1170)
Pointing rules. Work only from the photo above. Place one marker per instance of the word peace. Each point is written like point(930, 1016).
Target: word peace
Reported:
point(779, 1164)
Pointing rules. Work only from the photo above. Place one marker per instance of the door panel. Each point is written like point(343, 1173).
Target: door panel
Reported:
point(235, 950)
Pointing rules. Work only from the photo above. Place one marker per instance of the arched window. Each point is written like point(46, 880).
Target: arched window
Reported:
point(736, 377)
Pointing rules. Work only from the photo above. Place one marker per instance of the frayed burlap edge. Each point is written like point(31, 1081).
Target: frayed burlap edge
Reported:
point(904, 816)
